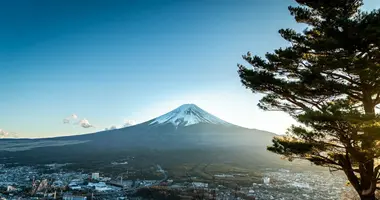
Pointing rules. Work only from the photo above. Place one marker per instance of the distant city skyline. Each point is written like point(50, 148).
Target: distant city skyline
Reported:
point(126, 62)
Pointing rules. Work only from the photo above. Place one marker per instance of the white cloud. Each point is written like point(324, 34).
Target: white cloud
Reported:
point(68, 119)
point(125, 124)
point(85, 123)
point(73, 118)
point(111, 128)
point(3, 133)
point(129, 123)
point(6, 134)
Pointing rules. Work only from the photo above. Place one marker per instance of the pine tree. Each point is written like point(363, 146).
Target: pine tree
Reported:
point(328, 79)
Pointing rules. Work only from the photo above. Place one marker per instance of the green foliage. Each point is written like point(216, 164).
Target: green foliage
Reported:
point(151, 193)
point(328, 79)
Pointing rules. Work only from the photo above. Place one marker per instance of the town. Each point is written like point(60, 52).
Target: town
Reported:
point(51, 182)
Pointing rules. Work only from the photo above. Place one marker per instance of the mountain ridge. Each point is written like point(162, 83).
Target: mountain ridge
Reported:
point(186, 115)
point(187, 126)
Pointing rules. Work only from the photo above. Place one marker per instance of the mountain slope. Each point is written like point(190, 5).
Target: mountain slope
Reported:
point(187, 114)
point(184, 127)
point(187, 128)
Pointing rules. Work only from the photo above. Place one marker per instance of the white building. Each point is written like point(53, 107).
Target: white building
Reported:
point(78, 181)
point(100, 187)
point(251, 193)
point(11, 188)
point(200, 185)
point(95, 176)
point(224, 176)
point(71, 197)
point(74, 186)
point(104, 179)
point(148, 182)
point(266, 180)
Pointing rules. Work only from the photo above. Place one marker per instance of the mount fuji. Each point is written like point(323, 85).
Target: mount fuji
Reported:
point(184, 128)
point(186, 115)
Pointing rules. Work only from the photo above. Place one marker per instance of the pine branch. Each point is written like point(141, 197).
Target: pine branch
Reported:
point(328, 160)
point(376, 172)
point(349, 79)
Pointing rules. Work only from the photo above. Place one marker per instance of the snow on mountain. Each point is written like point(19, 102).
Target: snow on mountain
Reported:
point(187, 114)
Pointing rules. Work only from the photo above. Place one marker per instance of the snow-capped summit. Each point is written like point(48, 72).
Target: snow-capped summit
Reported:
point(187, 114)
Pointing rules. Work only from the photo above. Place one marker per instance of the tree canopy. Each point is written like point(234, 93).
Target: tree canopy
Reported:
point(328, 79)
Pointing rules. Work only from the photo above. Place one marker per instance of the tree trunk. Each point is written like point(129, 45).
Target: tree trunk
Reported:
point(367, 183)
point(368, 197)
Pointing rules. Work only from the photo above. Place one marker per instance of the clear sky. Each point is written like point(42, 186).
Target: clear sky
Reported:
point(111, 61)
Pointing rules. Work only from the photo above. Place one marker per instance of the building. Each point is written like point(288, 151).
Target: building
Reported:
point(58, 184)
point(77, 181)
point(11, 188)
point(266, 180)
point(72, 197)
point(251, 193)
point(100, 187)
point(95, 176)
point(104, 179)
point(75, 184)
point(200, 185)
point(75, 187)
point(127, 183)
point(148, 182)
point(224, 176)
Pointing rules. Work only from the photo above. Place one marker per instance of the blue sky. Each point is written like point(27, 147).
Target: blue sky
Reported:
point(111, 61)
